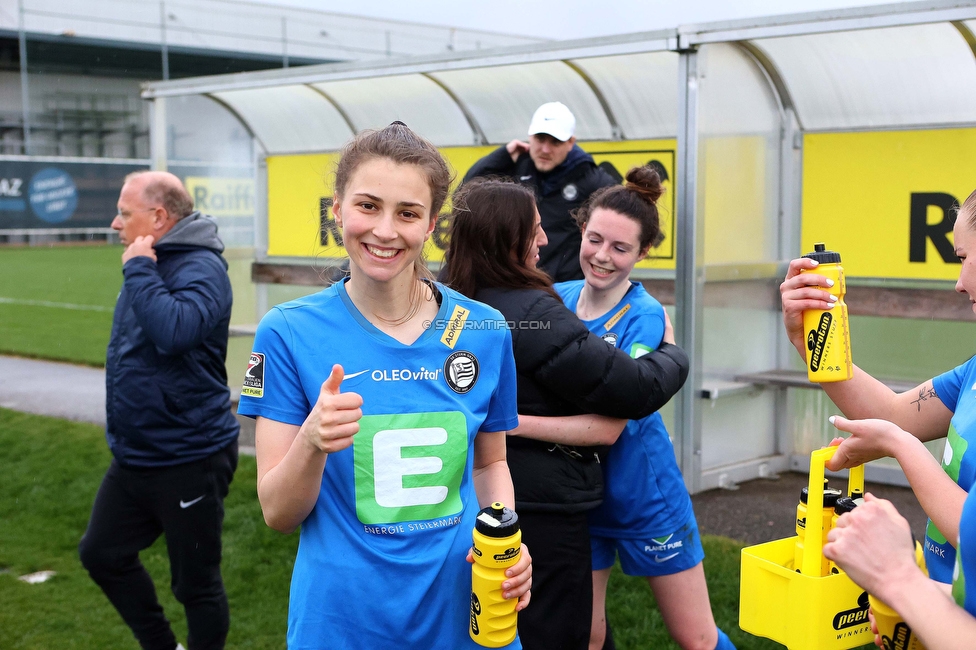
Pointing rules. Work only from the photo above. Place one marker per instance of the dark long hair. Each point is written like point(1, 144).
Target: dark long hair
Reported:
point(492, 230)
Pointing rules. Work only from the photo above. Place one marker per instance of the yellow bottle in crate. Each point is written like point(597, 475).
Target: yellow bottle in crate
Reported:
point(844, 504)
point(830, 496)
point(827, 330)
point(497, 546)
point(895, 633)
point(804, 610)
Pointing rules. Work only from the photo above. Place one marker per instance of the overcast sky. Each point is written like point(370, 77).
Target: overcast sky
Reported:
point(569, 18)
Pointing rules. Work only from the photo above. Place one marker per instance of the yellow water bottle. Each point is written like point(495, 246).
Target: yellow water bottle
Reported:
point(830, 496)
point(844, 504)
point(894, 632)
point(497, 546)
point(827, 330)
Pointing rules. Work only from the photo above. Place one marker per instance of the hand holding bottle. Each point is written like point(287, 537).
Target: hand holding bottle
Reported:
point(801, 291)
point(873, 545)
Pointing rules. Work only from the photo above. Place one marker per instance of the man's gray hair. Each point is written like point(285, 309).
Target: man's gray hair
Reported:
point(172, 196)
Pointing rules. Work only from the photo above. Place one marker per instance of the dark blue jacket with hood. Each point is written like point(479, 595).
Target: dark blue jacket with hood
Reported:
point(167, 400)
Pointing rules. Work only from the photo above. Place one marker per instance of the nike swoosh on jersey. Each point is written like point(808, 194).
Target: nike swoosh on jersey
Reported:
point(524, 178)
point(187, 504)
point(355, 374)
point(658, 558)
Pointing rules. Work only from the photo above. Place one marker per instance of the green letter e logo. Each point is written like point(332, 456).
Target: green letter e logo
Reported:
point(408, 466)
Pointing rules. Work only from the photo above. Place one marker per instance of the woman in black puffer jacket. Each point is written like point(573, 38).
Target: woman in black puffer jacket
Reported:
point(563, 370)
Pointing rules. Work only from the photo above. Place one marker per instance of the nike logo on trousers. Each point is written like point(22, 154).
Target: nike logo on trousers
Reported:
point(187, 504)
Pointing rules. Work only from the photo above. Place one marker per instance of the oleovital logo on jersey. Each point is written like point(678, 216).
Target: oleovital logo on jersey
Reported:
point(461, 371)
point(405, 374)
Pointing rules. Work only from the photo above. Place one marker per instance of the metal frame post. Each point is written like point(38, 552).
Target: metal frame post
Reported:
point(24, 94)
point(689, 272)
point(164, 49)
point(284, 41)
point(158, 154)
point(261, 301)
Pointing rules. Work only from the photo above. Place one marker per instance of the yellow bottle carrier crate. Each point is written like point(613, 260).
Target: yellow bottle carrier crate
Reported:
point(798, 606)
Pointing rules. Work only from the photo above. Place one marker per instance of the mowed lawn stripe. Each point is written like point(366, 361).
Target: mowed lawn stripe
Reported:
point(55, 305)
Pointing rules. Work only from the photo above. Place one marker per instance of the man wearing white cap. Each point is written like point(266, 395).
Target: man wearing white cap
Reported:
point(563, 177)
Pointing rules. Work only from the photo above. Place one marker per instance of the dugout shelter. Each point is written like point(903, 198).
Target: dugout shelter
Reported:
point(853, 127)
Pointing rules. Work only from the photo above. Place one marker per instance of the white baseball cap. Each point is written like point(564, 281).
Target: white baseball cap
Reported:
point(555, 119)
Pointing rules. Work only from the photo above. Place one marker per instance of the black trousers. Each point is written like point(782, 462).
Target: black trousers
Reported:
point(133, 507)
point(558, 616)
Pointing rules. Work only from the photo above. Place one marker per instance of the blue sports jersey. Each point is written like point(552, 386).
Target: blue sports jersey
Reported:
point(957, 390)
point(381, 558)
point(644, 493)
point(965, 571)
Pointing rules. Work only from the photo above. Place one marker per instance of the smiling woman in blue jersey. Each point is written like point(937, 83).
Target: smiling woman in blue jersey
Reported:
point(381, 420)
point(942, 407)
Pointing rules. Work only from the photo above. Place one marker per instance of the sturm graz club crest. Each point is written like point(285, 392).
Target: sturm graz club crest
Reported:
point(461, 371)
point(611, 338)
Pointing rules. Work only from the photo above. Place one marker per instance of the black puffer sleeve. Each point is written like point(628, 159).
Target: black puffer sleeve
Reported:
point(558, 352)
point(497, 163)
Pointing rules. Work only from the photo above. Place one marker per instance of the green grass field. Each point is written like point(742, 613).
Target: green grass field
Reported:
point(51, 471)
point(57, 303)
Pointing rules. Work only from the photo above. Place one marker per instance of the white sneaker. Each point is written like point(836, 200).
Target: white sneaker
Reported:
point(179, 646)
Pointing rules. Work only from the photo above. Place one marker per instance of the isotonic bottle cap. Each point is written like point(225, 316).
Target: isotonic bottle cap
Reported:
point(822, 255)
point(497, 521)
point(844, 504)
point(830, 496)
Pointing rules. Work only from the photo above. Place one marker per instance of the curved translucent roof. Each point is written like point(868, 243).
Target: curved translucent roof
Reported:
point(640, 89)
point(736, 98)
point(414, 99)
point(889, 66)
point(289, 119)
point(895, 77)
point(502, 99)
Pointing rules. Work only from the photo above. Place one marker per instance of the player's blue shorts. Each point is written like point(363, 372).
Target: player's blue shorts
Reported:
point(660, 556)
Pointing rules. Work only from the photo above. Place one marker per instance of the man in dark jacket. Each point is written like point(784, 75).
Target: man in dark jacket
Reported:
point(169, 422)
point(562, 175)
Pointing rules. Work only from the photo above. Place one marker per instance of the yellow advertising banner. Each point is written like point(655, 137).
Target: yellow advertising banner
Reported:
point(300, 223)
point(222, 197)
point(884, 200)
